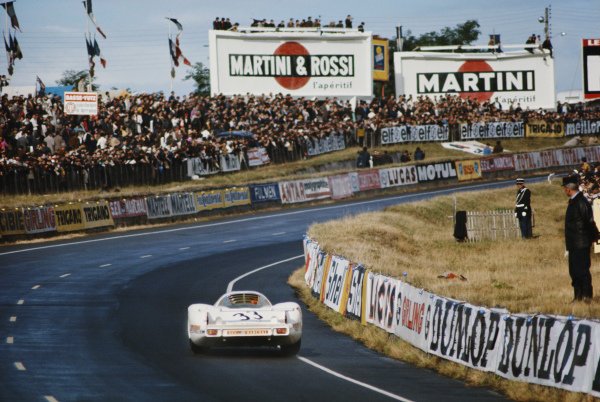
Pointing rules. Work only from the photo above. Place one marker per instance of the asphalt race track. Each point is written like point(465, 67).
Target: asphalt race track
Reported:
point(103, 319)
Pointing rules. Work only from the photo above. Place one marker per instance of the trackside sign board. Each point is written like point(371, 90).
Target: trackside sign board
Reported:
point(81, 103)
point(516, 78)
point(299, 64)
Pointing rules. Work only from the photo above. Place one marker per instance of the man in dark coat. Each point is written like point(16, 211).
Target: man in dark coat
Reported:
point(523, 208)
point(580, 233)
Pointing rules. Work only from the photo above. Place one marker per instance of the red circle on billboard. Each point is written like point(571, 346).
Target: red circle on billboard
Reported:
point(291, 49)
point(476, 66)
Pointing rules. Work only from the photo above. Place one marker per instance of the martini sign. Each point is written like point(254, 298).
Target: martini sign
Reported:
point(525, 80)
point(303, 65)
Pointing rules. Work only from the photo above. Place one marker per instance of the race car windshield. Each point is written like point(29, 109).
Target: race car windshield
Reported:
point(244, 300)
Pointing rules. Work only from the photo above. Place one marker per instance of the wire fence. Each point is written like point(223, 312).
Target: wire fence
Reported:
point(492, 225)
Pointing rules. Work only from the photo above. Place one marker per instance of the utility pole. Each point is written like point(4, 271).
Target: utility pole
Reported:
point(399, 38)
point(547, 13)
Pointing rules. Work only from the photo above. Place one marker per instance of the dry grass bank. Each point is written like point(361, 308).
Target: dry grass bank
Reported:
point(522, 275)
point(288, 171)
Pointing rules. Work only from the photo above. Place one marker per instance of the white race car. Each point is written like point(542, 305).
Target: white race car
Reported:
point(245, 318)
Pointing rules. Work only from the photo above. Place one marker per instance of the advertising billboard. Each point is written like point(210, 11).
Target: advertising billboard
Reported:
point(591, 68)
point(296, 63)
point(511, 78)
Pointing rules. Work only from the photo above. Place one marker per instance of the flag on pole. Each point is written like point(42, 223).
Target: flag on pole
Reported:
point(179, 54)
point(10, 10)
point(91, 53)
point(14, 46)
point(176, 54)
point(177, 23)
point(99, 54)
point(10, 56)
point(42, 86)
point(87, 4)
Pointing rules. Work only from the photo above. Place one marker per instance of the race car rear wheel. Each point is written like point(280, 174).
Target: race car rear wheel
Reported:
point(196, 349)
point(292, 349)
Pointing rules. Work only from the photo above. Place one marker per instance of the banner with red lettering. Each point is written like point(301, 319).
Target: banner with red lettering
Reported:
point(497, 163)
point(39, 220)
point(364, 180)
point(128, 207)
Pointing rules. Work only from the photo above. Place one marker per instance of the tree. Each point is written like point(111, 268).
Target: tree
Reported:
point(201, 75)
point(463, 34)
point(72, 77)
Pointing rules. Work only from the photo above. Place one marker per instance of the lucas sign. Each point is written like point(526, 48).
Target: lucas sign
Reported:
point(522, 78)
point(296, 63)
point(81, 103)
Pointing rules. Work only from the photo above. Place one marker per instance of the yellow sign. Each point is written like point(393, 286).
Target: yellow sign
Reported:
point(97, 215)
point(540, 128)
point(381, 60)
point(69, 217)
point(236, 196)
point(206, 200)
point(468, 170)
point(11, 222)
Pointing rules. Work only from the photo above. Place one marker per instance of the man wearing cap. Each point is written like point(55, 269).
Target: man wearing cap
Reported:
point(580, 233)
point(523, 208)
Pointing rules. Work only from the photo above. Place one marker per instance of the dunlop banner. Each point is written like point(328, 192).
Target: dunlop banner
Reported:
point(127, 208)
point(236, 196)
point(468, 170)
point(182, 204)
point(546, 129)
point(97, 215)
point(158, 206)
point(207, 200)
point(11, 222)
point(554, 351)
point(69, 217)
point(39, 220)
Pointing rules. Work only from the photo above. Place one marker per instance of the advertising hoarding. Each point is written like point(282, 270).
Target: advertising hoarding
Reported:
point(511, 78)
point(295, 63)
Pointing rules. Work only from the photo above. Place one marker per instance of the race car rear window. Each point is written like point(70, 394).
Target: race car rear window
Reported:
point(238, 300)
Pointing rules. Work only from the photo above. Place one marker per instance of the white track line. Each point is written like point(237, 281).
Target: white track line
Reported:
point(10, 340)
point(352, 380)
point(325, 369)
point(50, 398)
point(105, 265)
point(20, 302)
point(278, 234)
point(230, 285)
point(255, 218)
point(35, 287)
point(146, 256)
point(65, 275)
point(13, 318)
point(19, 366)
point(183, 248)
point(229, 241)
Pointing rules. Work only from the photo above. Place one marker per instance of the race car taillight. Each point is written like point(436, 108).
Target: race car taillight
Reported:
point(211, 331)
point(281, 331)
point(194, 328)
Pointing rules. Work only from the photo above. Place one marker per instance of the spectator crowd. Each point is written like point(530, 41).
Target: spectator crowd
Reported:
point(37, 139)
point(224, 24)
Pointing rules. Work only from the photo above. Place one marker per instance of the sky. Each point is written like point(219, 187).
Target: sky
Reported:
point(137, 50)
